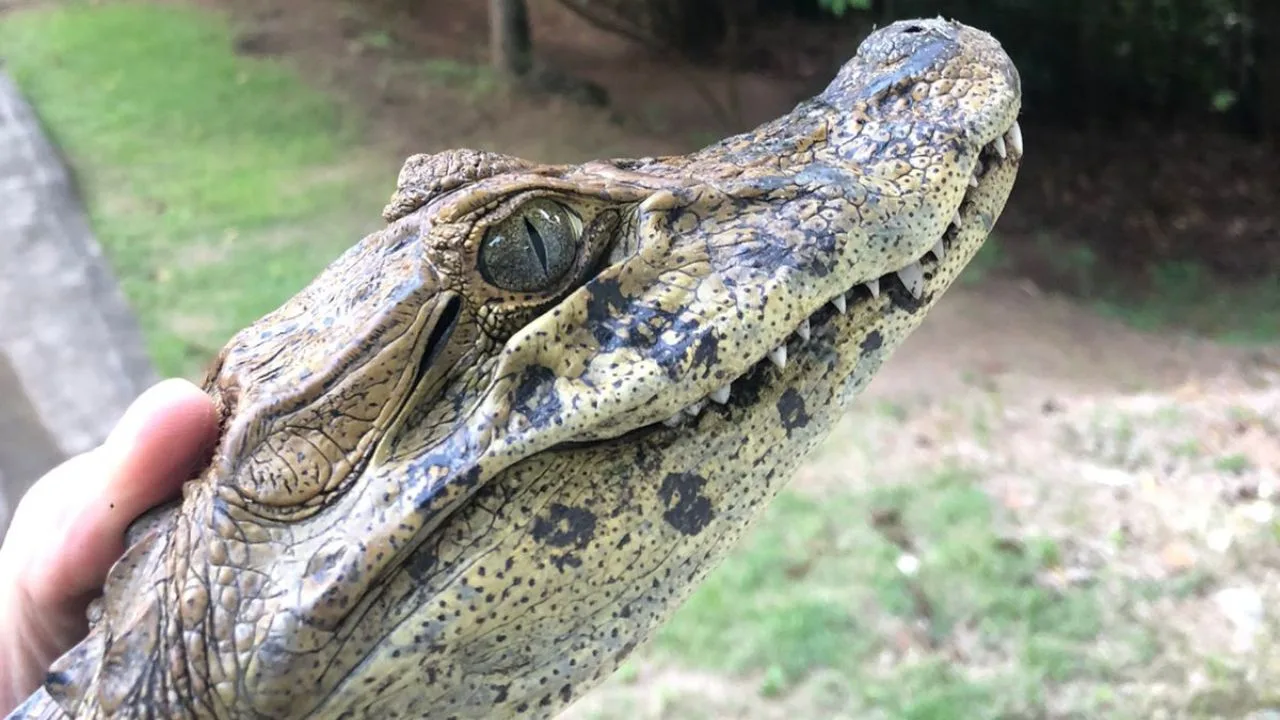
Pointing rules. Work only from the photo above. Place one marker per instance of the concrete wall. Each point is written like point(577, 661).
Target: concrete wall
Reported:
point(71, 354)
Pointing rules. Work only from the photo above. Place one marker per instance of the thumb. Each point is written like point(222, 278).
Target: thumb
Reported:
point(87, 502)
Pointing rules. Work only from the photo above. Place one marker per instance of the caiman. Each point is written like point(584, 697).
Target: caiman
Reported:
point(492, 447)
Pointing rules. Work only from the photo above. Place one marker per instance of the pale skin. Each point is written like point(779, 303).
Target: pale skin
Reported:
point(69, 527)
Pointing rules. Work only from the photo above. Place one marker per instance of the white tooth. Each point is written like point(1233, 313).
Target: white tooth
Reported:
point(804, 330)
point(694, 409)
point(874, 287)
point(674, 420)
point(939, 251)
point(973, 180)
point(839, 303)
point(1000, 148)
point(1015, 138)
point(912, 277)
point(720, 395)
point(779, 356)
point(955, 219)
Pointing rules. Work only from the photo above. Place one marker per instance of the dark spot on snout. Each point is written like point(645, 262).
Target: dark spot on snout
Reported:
point(421, 564)
point(618, 321)
point(706, 353)
point(646, 460)
point(535, 395)
point(470, 477)
point(687, 509)
point(564, 526)
point(872, 341)
point(604, 306)
point(791, 411)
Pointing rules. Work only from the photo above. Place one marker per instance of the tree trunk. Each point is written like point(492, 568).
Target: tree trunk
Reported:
point(71, 354)
point(510, 41)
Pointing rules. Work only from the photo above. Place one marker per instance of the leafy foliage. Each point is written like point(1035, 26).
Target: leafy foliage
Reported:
point(840, 7)
point(1202, 60)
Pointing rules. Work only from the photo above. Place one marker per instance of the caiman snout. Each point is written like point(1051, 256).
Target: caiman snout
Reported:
point(954, 77)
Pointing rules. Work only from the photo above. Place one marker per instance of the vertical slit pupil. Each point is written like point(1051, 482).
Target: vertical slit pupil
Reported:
point(535, 239)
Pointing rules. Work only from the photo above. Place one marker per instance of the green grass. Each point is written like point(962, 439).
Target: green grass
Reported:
point(1185, 295)
point(1182, 296)
point(218, 185)
point(1174, 295)
point(815, 591)
point(990, 259)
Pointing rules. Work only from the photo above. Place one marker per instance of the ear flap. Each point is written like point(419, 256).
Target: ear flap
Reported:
point(71, 675)
point(424, 177)
point(131, 654)
point(118, 650)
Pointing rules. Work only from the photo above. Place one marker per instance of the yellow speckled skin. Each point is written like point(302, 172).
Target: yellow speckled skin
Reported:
point(437, 498)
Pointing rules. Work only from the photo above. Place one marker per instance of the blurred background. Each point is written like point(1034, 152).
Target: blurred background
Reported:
point(1056, 502)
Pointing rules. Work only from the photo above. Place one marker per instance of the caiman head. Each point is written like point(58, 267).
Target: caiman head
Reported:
point(490, 449)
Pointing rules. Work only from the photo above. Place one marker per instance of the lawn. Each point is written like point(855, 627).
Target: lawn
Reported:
point(217, 184)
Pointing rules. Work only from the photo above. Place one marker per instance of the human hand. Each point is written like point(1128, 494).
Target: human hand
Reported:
point(69, 528)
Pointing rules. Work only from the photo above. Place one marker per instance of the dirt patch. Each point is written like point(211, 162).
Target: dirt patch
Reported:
point(1007, 336)
point(425, 86)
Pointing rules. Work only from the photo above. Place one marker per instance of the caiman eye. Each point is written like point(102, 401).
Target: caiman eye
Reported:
point(533, 248)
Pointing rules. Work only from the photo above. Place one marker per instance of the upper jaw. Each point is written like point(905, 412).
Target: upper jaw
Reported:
point(1005, 149)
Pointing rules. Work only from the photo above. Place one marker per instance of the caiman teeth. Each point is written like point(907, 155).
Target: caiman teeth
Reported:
point(1015, 138)
point(778, 356)
point(721, 395)
point(912, 277)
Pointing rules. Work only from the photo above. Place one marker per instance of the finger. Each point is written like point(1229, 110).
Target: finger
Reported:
point(162, 439)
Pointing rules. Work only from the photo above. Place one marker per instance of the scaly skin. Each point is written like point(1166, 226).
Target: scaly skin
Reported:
point(437, 498)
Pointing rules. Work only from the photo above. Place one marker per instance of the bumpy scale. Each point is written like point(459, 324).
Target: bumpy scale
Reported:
point(473, 465)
